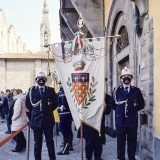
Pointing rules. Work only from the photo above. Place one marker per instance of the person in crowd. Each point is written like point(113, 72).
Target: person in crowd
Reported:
point(41, 101)
point(6, 111)
point(126, 100)
point(65, 122)
point(19, 119)
point(1, 107)
point(11, 102)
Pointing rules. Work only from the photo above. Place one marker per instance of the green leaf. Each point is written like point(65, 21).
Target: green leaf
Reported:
point(94, 96)
point(89, 94)
point(68, 83)
point(90, 90)
point(93, 79)
point(85, 100)
point(95, 84)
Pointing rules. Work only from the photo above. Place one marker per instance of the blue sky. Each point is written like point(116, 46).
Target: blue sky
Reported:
point(26, 17)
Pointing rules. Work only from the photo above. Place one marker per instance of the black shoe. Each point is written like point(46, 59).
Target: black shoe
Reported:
point(63, 153)
point(70, 148)
point(14, 150)
point(7, 132)
point(24, 148)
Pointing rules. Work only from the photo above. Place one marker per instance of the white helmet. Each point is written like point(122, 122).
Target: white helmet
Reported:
point(41, 74)
point(126, 71)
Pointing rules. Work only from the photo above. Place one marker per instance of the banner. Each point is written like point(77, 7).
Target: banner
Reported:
point(82, 75)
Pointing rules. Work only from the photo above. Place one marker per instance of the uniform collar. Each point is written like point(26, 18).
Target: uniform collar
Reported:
point(41, 86)
point(129, 86)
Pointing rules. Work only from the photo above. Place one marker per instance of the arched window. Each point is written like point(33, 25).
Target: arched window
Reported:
point(122, 42)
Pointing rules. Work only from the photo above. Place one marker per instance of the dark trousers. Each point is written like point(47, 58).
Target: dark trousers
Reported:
point(8, 123)
point(38, 138)
point(93, 144)
point(2, 112)
point(66, 129)
point(20, 141)
point(129, 134)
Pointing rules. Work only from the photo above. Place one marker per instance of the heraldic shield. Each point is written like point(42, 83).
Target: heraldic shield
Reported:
point(80, 83)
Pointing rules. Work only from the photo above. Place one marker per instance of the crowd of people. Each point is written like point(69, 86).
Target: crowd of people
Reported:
point(13, 112)
point(38, 104)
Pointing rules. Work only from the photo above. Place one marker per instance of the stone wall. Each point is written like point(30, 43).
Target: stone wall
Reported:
point(21, 73)
point(146, 84)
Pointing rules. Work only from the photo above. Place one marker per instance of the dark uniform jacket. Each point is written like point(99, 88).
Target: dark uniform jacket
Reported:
point(43, 111)
point(126, 116)
point(63, 107)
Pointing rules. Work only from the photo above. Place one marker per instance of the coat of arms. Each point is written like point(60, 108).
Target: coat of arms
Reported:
point(81, 85)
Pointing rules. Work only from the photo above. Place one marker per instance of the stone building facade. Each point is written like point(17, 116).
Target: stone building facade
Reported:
point(19, 67)
point(19, 70)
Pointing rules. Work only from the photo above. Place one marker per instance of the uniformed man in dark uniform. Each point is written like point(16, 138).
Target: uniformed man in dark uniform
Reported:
point(41, 101)
point(65, 122)
point(94, 141)
point(126, 100)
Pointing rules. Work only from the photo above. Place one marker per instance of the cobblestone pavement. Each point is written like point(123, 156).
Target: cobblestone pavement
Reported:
point(109, 150)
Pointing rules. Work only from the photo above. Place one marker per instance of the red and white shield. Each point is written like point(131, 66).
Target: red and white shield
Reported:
point(80, 83)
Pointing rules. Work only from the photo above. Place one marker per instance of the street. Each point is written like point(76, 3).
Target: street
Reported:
point(109, 150)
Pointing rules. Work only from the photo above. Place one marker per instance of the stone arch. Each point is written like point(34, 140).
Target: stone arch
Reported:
point(11, 39)
point(123, 41)
point(3, 33)
point(19, 45)
point(120, 17)
point(24, 48)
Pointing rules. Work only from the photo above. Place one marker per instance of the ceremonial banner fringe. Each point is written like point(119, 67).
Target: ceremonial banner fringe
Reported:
point(82, 76)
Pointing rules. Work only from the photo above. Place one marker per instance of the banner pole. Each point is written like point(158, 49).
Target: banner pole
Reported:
point(81, 140)
point(28, 142)
point(81, 134)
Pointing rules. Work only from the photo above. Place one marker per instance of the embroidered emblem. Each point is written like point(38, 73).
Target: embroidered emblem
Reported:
point(82, 91)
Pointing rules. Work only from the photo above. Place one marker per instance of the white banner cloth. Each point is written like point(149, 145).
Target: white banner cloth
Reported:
point(82, 77)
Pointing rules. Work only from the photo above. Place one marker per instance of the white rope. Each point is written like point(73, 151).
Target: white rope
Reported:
point(33, 104)
point(120, 102)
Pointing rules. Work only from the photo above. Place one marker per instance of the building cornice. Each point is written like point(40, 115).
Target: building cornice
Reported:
point(38, 56)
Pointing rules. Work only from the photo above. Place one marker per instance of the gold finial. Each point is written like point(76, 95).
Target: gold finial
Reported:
point(80, 22)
